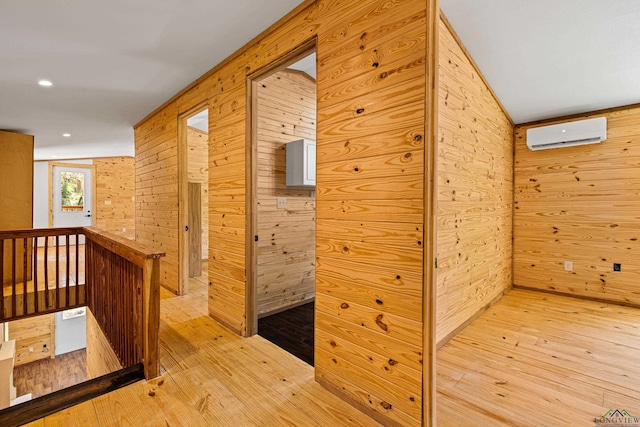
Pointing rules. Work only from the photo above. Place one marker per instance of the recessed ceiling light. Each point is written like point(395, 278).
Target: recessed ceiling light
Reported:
point(45, 83)
point(54, 156)
point(66, 135)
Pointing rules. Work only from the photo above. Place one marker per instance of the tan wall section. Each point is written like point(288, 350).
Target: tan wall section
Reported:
point(101, 359)
point(580, 204)
point(34, 332)
point(286, 248)
point(115, 185)
point(475, 191)
point(16, 194)
point(198, 171)
point(370, 202)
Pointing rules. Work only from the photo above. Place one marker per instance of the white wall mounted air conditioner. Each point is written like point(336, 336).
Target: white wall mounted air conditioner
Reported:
point(590, 131)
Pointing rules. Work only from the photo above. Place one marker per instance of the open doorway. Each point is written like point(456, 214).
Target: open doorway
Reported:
point(283, 198)
point(194, 196)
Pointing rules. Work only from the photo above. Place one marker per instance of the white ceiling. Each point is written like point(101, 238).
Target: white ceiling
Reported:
point(549, 58)
point(200, 121)
point(112, 63)
point(306, 65)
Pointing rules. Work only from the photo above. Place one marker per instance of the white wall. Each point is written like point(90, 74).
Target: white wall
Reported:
point(41, 191)
point(70, 334)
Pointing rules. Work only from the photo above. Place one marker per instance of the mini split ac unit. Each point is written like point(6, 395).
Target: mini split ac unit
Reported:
point(569, 134)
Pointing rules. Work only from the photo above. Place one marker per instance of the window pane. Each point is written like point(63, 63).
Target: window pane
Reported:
point(72, 191)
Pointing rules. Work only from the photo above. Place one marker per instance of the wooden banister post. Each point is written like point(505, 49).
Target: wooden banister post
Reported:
point(151, 304)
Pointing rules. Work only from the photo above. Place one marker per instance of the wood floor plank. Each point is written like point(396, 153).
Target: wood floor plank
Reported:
point(213, 377)
point(536, 359)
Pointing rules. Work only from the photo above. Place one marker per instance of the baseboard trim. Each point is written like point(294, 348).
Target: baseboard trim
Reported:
point(375, 415)
point(285, 308)
point(582, 297)
point(57, 401)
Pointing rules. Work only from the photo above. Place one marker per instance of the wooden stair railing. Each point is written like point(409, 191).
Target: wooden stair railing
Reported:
point(35, 279)
point(41, 272)
point(123, 293)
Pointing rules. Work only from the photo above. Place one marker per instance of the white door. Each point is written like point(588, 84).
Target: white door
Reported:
point(72, 198)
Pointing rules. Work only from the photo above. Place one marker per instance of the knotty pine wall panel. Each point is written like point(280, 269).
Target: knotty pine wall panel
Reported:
point(34, 332)
point(580, 204)
point(115, 185)
point(475, 191)
point(286, 111)
point(198, 165)
point(101, 359)
point(156, 178)
point(370, 142)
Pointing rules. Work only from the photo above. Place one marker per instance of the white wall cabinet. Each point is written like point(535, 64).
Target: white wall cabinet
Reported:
point(301, 163)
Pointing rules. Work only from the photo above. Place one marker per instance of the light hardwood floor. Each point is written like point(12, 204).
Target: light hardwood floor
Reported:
point(212, 377)
point(536, 359)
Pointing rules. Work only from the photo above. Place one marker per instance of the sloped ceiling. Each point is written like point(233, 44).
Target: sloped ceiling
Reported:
point(550, 58)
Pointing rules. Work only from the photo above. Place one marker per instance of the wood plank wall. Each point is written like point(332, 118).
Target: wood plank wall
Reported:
point(156, 178)
point(115, 195)
point(475, 191)
point(101, 359)
point(286, 245)
point(370, 202)
point(580, 204)
point(34, 332)
point(198, 171)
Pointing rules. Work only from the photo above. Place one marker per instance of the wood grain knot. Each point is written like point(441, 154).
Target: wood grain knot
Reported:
point(386, 405)
point(380, 323)
point(417, 138)
point(383, 75)
point(363, 36)
point(379, 302)
point(392, 362)
point(356, 169)
point(345, 249)
point(152, 393)
point(344, 305)
point(360, 110)
point(332, 343)
point(375, 65)
point(346, 144)
point(407, 156)
point(398, 277)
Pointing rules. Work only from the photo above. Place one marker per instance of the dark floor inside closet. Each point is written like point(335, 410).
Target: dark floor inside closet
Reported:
point(291, 330)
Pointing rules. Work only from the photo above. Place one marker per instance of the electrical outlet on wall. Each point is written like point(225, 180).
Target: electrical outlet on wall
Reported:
point(282, 203)
point(568, 265)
